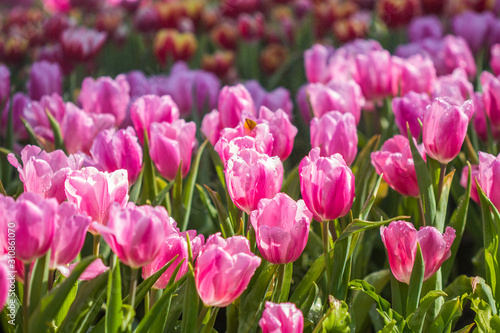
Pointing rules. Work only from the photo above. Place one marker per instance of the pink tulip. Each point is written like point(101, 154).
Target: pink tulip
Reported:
point(279, 98)
point(45, 173)
point(223, 269)
point(281, 228)
point(174, 244)
point(235, 104)
point(106, 95)
point(495, 59)
point(45, 79)
point(210, 126)
point(489, 177)
point(424, 27)
point(152, 109)
point(70, 230)
point(93, 192)
point(410, 109)
point(170, 144)
point(327, 185)
point(79, 128)
point(444, 129)
point(135, 234)
point(19, 102)
point(473, 27)
point(281, 129)
point(456, 86)
point(316, 63)
point(281, 318)
point(93, 270)
point(395, 161)
point(5, 280)
point(450, 53)
point(491, 97)
point(474, 173)
point(400, 239)
point(374, 75)
point(32, 213)
point(302, 101)
point(113, 150)
point(139, 84)
point(35, 114)
point(417, 74)
point(334, 133)
point(82, 44)
point(57, 6)
point(251, 176)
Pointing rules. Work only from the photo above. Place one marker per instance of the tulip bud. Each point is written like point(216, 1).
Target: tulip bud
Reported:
point(495, 59)
point(210, 126)
point(374, 75)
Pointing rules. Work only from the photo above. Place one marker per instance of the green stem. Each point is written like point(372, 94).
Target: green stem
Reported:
point(326, 248)
point(442, 174)
point(26, 297)
point(147, 305)
point(95, 249)
point(210, 324)
point(152, 299)
point(202, 315)
point(50, 283)
point(133, 286)
point(279, 285)
point(421, 211)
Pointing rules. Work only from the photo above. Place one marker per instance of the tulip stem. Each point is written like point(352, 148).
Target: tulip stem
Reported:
point(26, 298)
point(202, 315)
point(147, 305)
point(50, 283)
point(421, 210)
point(442, 174)
point(210, 324)
point(152, 300)
point(95, 249)
point(276, 298)
point(133, 286)
point(326, 248)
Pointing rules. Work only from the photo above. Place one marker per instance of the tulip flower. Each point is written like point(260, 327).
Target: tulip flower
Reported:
point(474, 172)
point(417, 74)
point(70, 230)
point(282, 131)
point(174, 244)
point(424, 27)
point(5, 281)
point(334, 133)
point(4, 88)
point(281, 228)
point(45, 173)
point(409, 109)
point(279, 98)
point(473, 27)
point(223, 269)
point(395, 161)
point(327, 185)
point(92, 271)
point(450, 53)
point(170, 144)
point(235, 104)
point(82, 44)
point(106, 95)
point(35, 114)
point(135, 234)
point(489, 177)
point(495, 59)
point(93, 192)
point(152, 109)
point(316, 63)
point(491, 97)
point(397, 13)
point(456, 86)
point(45, 79)
point(374, 75)
point(33, 213)
point(444, 129)
point(251, 176)
point(113, 150)
point(400, 239)
point(281, 318)
point(210, 126)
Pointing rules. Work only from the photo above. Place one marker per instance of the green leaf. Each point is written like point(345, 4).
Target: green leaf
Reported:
point(336, 319)
point(178, 209)
point(252, 299)
point(425, 184)
point(135, 190)
point(311, 297)
point(163, 193)
point(149, 189)
point(204, 196)
point(442, 208)
point(50, 304)
point(370, 200)
point(342, 266)
point(175, 310)
point(415, 320)
point(416, 280)
point(357, 226)
point(445, 320)
point(190, 184)
point(190, 308)
point(484, 317)
point(63, 312)
point(113, 318)
point(39, 280)
point(34, 139)
point(466, 329)
point(225, 223)
point(291, 185)
point(56, 129)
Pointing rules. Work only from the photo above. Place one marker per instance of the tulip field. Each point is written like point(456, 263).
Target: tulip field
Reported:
point(280, 166)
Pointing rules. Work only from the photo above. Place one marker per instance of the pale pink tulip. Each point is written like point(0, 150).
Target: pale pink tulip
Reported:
point(281, 318)
point(316, 63)
point(282, 131)
point(211, 127)
point(235, 105)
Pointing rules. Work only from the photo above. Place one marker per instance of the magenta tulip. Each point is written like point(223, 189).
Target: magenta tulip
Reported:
point(374, 75)
point(106, 95)
point(93, 270)
point(5, 280)
point(281, 129)
point(495, 59)
point(452, 52)
point(210, 126)
point(170, 144)
point(334, 133)
point(135, 234)
point(152, 109)
point(93, 192)
point(456, 86)
point(235, 105)
point(473, 27)
point(400, 239)
point(327, 185)
point(45, 79)
point(316, 63)
point(444, 129)
point(474, 173)
point(45, 173)
point(251, 176)
point(489, 177)
point(281, 318)
point(410, 110)
point(395, 161)
point(82, 44)
point(223, 269)
point(281, 227)
point(113, 150)
point(417, 74)
point(34, 225)
point(35, 114)
point(491, 97)
point(4, 88)
point(424, 27)
point(70, 230)
point(279, 98)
